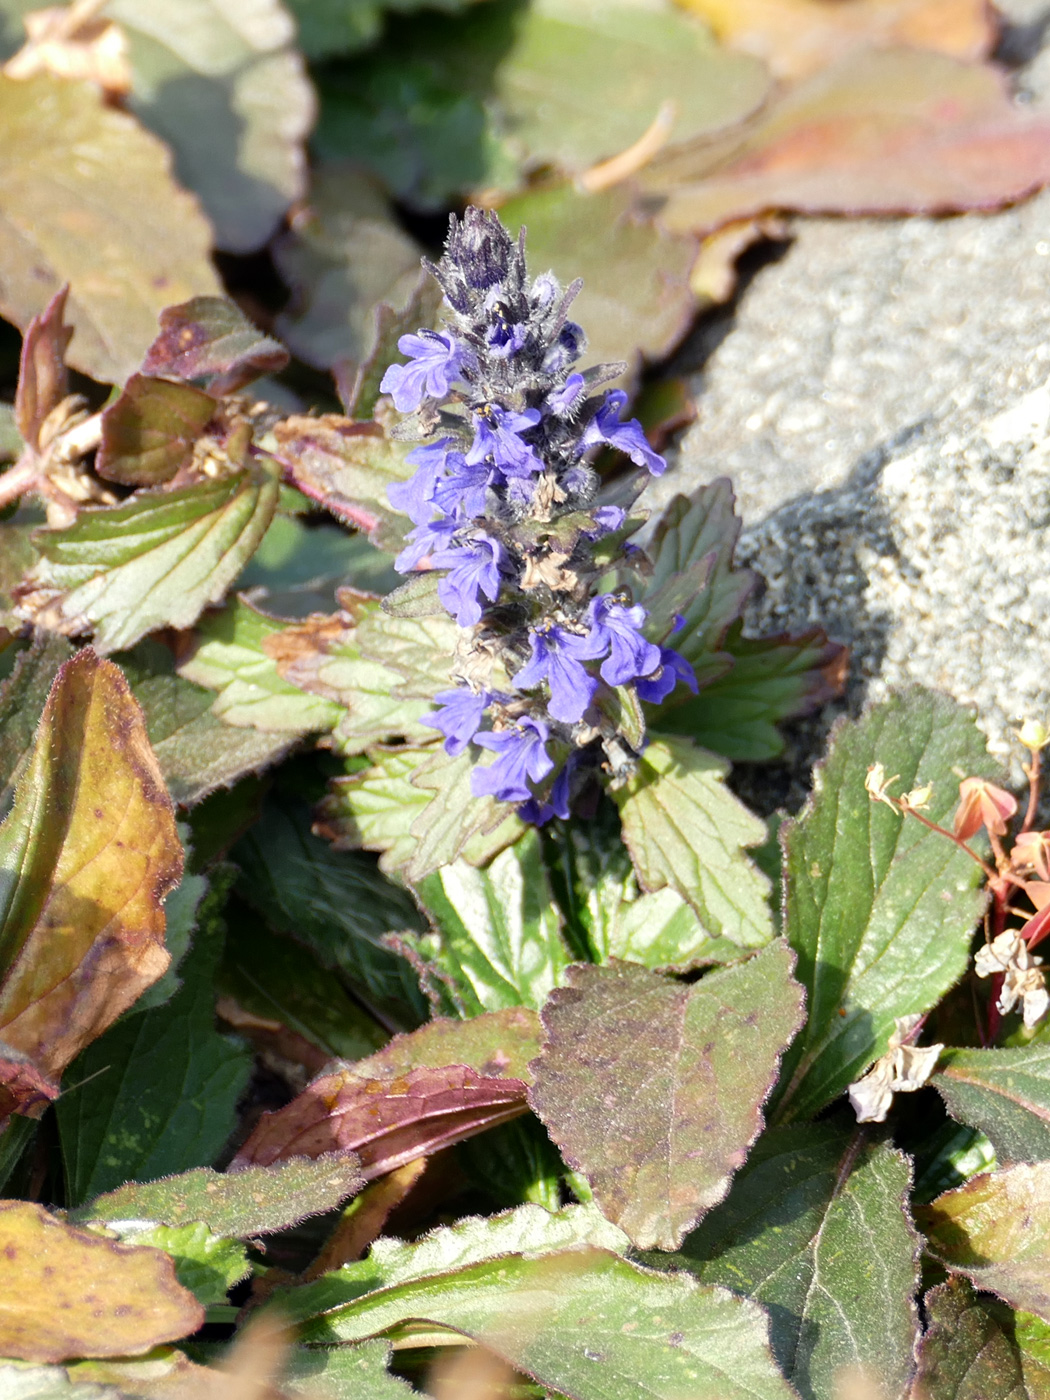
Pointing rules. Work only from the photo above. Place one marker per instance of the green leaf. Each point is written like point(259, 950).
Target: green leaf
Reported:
point(197, 753)
point(977, 1349)
point(299, 566)
point(22, 696)
point(49, 1383)
point(343, 258)
point(386, 808)
point(229, 655)
point(158, 1092)
point(206, 1264)
point(277, 979)
point(680, 1338)
point(221, 83)
point(816, 1228)
point(696, 536)
point(636, 303)
point(11, 442)
point(454, 104)
point(499, 1044)
point(654, 1090)
point(1005, 1093)
point(995, 1230)
point(89, 199)
point(17, 557)
point(181, 909)
point(149, 432)
point(500, 940)
point(331, 27)
point(334, 902)
point(772, 679)
point(256, 1201)
point(345, 1373)
point(879, 908)
point(156, 560)
point(685, 829)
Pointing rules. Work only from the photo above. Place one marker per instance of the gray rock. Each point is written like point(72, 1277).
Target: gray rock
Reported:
point(882, 405)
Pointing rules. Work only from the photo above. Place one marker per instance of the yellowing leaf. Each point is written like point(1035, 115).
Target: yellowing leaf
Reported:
point(796, 37)
point(67, 1293)
point(87, 197)
point(86, 856)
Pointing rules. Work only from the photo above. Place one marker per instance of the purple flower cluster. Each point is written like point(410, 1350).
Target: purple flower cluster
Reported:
point(503, 501)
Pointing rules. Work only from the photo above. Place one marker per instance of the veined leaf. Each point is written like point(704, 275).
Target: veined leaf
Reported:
point(975, 1348)
point(156, 560)
point(685, 829)
point(995, 1231)
point(158, 1092)
point(69, 1293)
point(1005, 1093)
point(644, 1333)
point(211, 339)
point(256, 1201)
point(149, 432)
point(88, 199)
point(654, 1090)
point(229, 655)
point(498, 1044)
point(87, 854)
point(817, 1229)
point(879, 908)
point(500, 940)
point(206, 1264)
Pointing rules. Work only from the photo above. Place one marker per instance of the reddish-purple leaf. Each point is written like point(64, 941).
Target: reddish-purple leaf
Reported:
point(43, 381)
point(210, 338)
point(882, 131)
point(654, 1089)
point(384, 1121)
point(149, 432)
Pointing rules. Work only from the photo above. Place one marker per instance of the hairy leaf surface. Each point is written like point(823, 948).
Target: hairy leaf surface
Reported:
point(975, 1348)
point(1005, 1093)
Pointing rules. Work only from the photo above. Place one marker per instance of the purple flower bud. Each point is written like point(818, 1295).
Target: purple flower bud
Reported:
point(605, 427)
point(616, 626)
point(472, 567)
point(459, 719)
point(673, 668)
point(556, 658)
point(562, 401)
point(415, 497)
point(434, 362)
point(497, 441)
point(427, 538)
point(521, 754)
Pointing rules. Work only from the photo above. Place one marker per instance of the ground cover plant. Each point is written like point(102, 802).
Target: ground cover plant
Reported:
point(394, 993)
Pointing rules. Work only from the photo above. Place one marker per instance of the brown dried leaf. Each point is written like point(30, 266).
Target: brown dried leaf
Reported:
point(386, 1121)
point(88, 853)
point(882, 131)
point(795, 38)
point(43, 381)
point(69, 1293)
point(148, 433)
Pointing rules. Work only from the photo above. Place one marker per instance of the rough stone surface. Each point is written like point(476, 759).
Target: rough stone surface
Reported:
point(882, 405)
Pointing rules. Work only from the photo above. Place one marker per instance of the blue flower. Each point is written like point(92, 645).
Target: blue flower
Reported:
point(415, 497)
point(434, 362)
point(673, 668)
point(427, 538)
point(497, 440)
point(562, 401)
point(616, 626)
point(521, 754)
point(459, 719)
point(556, 658)
point(627, 437)
point(472, 567)
point(606, 519)
point(540, 813)
point(463, 490)
point(504, 339)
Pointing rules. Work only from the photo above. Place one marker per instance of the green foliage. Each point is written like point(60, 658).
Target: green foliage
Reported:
point(977, 1349)
point(1005, 1093)
point(879, 908)
point(206, 1264)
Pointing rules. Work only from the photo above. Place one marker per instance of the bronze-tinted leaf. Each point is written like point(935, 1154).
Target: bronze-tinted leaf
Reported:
point(69, 1293)
point(43, 380)
point(498, 1044)
point(654, 1089)
point(346, 467)
point(797, 37)
point(210, 338)
point(87, 197)
point(386, 1121)
point(149, 431)
point(88, 853)
point(883, 131)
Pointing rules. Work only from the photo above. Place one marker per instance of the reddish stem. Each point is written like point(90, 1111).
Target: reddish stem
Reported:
point(1034, 775)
